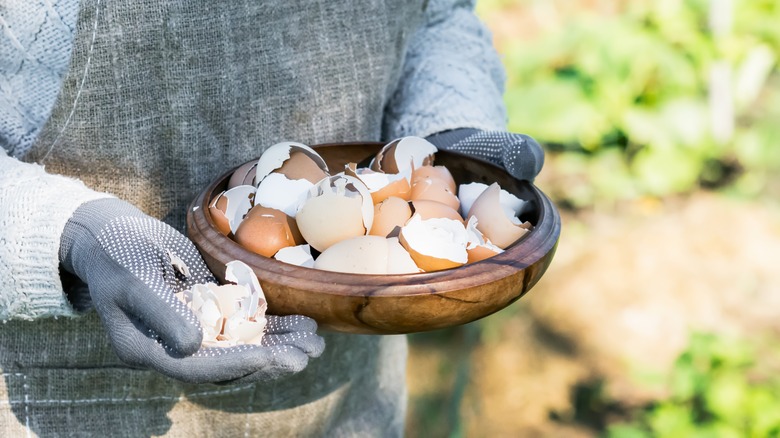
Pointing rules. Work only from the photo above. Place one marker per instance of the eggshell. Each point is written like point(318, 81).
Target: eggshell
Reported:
point(477, 247)
point(230, 207)
point(244, 175)
point(301, 165)
point(404, 154)
point(435, 244)
point(434, 190)
point(338, 207)
point(431, 209)
point(265, 231)
point(388, 214)
point(275, 157)
point(279, 192)
point(438, 173)
point(497, 223)
point(381, 185)
point(399, 261)
point(217, 210)
point(357, 255)
point(468, 193)
point(299, 255)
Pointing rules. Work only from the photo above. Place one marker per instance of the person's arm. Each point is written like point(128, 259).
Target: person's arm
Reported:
point(34, 208)
point(50, 222)
point(451, 91)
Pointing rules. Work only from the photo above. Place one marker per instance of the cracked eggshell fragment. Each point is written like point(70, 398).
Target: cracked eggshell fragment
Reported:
point(403, 155)
point(468, 193)
point(294, 160)
point(244, 175)
point(230, 314)
point(381, 185)
point(437, 173)
point(228, 208)
point(279, 192)
point(337, 208)
point(435, 244)
point(299, 255)
point(496, 221)
point(367, 255)
point(266, 230)
point(477, 247)
point(434, 190)
point(391, 213)
point(432, 209)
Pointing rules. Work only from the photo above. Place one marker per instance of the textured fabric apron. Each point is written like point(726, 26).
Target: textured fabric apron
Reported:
point(161, 98)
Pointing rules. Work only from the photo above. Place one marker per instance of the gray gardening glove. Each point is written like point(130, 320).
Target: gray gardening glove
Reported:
point(519, 154)
point(126, 259)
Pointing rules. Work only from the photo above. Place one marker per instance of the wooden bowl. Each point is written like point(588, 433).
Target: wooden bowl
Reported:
point(392, 304)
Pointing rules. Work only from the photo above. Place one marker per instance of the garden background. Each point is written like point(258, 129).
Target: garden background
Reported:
point(660, 314)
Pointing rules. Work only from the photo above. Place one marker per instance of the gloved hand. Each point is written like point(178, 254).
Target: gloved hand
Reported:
point(519, 154)
point(127, 260)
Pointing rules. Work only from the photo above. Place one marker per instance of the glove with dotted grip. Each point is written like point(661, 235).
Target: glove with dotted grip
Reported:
point(131, 265)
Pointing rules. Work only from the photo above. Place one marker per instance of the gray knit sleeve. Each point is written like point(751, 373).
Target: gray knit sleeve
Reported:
point(36, 38)
point(35, 46)
point(452, 76)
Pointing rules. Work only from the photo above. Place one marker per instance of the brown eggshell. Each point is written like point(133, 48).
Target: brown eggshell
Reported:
point(301, 166)
point(434, 190)
point(388, 214)
point(426, 262)
point(217, 211)
point(399, 188)
point(493, 223)
point(479, 253)
point(438, 173)
point(244, 175)
point(265, 231)
point(415, 151)
point(431, 209)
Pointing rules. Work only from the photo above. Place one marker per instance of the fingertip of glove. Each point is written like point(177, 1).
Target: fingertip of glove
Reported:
point(524, 159)
point(186, 340)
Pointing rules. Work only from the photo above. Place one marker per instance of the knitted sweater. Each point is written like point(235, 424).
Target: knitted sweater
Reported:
point(151, 100)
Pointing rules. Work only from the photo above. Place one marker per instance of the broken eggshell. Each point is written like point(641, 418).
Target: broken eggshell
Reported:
point(477, 247)
point(230, 314)
point(367, 255)
point(229, 207)
point(299, 255)
point(498, 222)
point(304, 162)
point(381, 185)
point(403, 155)
point(337, 208)
point(435, 244)
point(266, 230)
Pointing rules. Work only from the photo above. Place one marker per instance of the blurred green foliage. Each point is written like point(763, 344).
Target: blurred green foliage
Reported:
point(717, 390)
point(623, 100)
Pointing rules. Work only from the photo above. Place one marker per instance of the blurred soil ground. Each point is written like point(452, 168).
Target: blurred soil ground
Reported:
point(624, 291)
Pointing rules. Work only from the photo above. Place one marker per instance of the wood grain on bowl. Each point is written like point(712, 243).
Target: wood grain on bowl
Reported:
point(392, 304)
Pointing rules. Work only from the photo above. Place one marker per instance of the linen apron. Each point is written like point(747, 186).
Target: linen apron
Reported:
point(162, 97)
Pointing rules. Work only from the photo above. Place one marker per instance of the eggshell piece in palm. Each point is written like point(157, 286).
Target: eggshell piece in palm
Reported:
point(498, 224)
point(391, 213)
point(435, 244)
point(265, 231)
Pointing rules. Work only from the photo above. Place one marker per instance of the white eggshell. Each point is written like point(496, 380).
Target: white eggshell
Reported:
point(296, 255)
point(239, 200)
point(410, 152)
point(435, 244)
point(287, 195)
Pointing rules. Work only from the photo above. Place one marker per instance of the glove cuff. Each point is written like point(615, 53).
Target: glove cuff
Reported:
point(79, 244)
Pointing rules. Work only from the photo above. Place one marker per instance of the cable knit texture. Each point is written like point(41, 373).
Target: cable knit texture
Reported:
point(35, 44)
point(453, 77)
point(34, 208)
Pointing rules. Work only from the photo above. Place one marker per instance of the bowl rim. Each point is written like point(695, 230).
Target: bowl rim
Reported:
point(542, 239)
